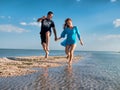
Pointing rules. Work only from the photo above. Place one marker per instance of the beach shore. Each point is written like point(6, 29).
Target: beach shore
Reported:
point(16, 66)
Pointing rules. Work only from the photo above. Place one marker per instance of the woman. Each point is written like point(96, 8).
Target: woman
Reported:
point(70, 42)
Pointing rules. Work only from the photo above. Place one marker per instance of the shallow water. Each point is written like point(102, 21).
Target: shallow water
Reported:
point(97, 71)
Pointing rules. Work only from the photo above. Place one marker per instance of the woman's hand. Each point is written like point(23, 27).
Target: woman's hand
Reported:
point(81, 42)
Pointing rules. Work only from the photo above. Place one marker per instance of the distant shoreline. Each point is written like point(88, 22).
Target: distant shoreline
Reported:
point(17, 66)
point(57, 50)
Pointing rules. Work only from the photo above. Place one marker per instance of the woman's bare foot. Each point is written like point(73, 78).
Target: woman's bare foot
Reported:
point(67, 57)
point(70, 62)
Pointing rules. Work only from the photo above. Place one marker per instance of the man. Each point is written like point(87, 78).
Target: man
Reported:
point(45, 33)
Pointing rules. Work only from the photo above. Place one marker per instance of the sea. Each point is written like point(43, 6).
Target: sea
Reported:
point(97, 70)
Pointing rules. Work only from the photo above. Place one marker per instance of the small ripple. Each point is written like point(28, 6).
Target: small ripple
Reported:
point(65, 78)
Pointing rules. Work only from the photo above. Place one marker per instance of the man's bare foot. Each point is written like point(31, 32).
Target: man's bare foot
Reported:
point(47, 49)
point(47, 53)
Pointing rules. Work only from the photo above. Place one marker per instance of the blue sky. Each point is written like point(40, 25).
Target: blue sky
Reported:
point(97, 20)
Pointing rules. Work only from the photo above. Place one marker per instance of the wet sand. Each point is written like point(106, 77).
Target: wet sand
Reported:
point(17, 66)
point(96, 71)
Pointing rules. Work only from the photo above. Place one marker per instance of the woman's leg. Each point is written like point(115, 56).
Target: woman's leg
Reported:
point(67, 51)
point(72, 48)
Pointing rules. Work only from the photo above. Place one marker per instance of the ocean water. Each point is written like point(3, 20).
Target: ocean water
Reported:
point(31, 52)
point(28, 52)
point(97, 70)
point(20, 52)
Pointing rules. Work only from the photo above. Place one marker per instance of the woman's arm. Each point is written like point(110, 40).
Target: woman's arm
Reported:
point(62, 35)
point(78, 35)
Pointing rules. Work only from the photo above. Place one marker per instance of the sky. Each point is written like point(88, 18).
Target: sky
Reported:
point(97, 20)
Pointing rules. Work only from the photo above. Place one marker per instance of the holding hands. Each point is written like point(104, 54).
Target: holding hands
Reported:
point(56, 39)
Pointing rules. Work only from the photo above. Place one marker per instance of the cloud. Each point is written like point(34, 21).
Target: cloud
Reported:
point(78, 0)
point(2, 17)
point(9, 17)
point(117, 23)
point(113, 0)
point(23, 23)
point(110, 37)
point(34, 19)
point(31, 24)
point(5, 17)
point(11, 28)
point(34, 24)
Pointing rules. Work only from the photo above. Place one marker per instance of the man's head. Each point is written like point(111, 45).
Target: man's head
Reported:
point(50, 15)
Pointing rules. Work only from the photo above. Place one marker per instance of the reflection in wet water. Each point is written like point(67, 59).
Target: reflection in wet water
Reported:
point(97, 72)
point(68, 77)
point(63, 78)
point(52, 81)
point(42, 81)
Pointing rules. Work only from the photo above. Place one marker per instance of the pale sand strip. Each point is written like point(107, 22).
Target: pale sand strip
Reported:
point(16, 66)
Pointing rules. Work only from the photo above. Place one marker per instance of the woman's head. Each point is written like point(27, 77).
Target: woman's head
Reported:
point(68, 23)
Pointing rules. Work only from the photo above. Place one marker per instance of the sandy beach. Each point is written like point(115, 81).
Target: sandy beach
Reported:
point(16, 66)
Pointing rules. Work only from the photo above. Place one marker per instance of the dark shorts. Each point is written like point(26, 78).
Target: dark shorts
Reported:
point(43, 37)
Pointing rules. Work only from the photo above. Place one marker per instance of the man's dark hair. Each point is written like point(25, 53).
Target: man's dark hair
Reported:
point(50, 12)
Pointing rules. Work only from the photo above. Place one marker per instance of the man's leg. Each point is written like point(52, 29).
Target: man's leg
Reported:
point(47, 40)
point(44, 48)
point(43, 41)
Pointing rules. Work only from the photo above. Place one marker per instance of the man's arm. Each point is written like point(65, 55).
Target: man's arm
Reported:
point(55, 34)
point(40, 19)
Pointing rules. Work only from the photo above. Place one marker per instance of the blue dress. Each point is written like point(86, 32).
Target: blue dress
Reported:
point(71, 36)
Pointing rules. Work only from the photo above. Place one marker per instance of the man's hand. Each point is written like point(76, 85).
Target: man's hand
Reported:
point(44, 17)
point(55, 38)
point(40, 19)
